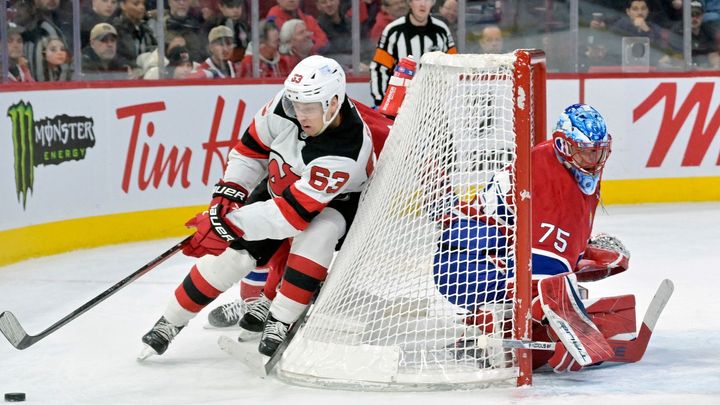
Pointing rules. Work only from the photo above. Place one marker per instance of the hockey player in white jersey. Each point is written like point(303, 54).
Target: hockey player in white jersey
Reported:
point(317, 153)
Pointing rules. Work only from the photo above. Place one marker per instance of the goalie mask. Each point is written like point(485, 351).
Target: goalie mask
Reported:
point(312, 85)
point(582, 144)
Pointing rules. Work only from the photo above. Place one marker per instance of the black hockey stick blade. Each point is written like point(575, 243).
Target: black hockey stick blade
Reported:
point(16, 335)
point(275, 358)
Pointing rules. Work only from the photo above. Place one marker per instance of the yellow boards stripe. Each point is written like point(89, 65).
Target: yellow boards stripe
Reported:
point(62, 236)
point(686, 189)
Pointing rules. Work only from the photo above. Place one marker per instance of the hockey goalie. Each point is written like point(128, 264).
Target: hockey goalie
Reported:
point(566, 173)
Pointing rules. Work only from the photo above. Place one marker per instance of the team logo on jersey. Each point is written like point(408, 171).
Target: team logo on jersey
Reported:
point(280, 176)
point(49, 141)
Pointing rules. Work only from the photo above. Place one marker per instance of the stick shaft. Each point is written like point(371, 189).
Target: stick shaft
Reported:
point(16, 335)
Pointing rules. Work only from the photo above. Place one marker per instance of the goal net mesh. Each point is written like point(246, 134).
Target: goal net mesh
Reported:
point(411, 297)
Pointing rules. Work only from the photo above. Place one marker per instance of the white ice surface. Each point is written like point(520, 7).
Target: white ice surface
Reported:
point(92, 359)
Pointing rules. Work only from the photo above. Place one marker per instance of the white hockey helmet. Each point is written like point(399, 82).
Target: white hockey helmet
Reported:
point(316, 79)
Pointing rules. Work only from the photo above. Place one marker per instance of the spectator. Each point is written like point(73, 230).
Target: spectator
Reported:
point(43, 21)
point(271, 65)
point(337, 27)
point(636, 24)
point(704, 48)
point(56, 64)
point(233, 15)
point(17, 69)
point(448, 13)
point(295, 43)
point(491, 39)
point(134, 34)
point(419, 32)
point(712, 13)
point(179, 65)
point(100, 60)
point(286, 10)
point(148, 62)
point(218, 65)
point(390, 10)
point(179, 21)
point(100, 11)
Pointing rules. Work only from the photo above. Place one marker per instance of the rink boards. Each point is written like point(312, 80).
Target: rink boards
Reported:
point(91, 164)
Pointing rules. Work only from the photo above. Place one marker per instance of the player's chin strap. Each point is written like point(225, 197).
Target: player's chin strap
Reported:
point(327, 123)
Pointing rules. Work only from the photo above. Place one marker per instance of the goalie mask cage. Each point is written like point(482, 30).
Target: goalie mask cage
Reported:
point(398, 312)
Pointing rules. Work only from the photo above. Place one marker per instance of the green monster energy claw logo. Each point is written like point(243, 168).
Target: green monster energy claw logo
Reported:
point(49, 141)
point(21, 115)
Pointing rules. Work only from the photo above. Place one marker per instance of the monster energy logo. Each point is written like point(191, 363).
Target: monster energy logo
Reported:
point(49, 141)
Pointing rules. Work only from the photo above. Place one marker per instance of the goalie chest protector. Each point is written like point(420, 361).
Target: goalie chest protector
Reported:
point(562, 215)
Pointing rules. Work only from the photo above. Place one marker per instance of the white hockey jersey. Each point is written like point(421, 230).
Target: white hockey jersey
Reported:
point(304, 173)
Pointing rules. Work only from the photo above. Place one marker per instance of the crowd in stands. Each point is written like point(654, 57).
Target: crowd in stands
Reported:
point(212, 38)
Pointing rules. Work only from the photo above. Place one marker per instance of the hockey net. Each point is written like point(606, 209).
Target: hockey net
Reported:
point(387, 316)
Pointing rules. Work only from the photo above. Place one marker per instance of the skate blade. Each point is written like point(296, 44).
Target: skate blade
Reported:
point(146, 352)
point(248, 355)
point(247, 335)
point(231, 327)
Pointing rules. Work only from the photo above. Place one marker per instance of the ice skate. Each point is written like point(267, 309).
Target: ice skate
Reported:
point(253, 320)
point(158, 339)
point(273, 334)
point(227, 315)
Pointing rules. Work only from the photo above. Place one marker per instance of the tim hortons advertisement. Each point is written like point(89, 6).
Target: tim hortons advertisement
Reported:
point(77, 153)
point(661, 127)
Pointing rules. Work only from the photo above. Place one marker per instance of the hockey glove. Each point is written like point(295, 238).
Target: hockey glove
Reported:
point(604, 256)
point(227, 196)
point(213, 233)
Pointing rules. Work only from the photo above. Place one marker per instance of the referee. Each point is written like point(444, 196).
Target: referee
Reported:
point(414, 34)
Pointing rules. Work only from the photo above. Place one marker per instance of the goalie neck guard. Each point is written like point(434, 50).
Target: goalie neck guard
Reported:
point(316, 79)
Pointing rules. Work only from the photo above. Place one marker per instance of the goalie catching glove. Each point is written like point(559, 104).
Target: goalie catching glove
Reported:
point(604, 256)
point(213, 233)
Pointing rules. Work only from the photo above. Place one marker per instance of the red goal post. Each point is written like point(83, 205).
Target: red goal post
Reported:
point(407, 301)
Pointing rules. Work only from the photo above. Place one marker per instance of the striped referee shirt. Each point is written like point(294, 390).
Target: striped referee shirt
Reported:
point(401, 38)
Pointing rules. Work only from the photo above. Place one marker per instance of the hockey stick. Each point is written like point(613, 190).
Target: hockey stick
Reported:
point(16, 335)
point(626, 351)
point(630, 351)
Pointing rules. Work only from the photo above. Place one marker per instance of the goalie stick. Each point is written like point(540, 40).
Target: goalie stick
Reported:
point(16, 335)
point(625, 351)
point(254, 360)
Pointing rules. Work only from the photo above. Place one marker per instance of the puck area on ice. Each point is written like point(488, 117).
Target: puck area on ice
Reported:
point(14, 396)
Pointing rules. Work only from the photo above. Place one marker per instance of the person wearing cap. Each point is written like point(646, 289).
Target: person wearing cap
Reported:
point(234, 16)
point(99, 11)
point(135, 36)
point(17, 70)
point(100, 60)
point(286, 10)
point(218, 65)
point(704, 48)
point(271, 65)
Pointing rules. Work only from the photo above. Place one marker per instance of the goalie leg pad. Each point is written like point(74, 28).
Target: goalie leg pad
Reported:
point(569, 319)
point(613, 315)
